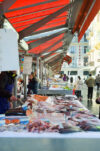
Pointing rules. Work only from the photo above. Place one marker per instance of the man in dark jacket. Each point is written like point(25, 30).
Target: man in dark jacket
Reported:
point(6, 86)
point(33, 84)
point(90, 82)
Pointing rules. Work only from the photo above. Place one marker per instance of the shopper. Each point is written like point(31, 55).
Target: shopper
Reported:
point(33, 84)
point(90, 84)
point(64, 77)
point(78, 87)
point(97, 81)
point(71, 79)
point(67, 78)
point(61, 76)
point(6, 86)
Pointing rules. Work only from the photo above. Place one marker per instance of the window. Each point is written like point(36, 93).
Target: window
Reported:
point(85, 49)
point(72, 50)
point(85, 40)
point(73, 73)
point(85, 72)
point(61, 72)
point(85, 61)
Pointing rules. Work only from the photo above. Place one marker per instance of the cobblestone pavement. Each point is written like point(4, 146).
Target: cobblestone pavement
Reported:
point(92, 106)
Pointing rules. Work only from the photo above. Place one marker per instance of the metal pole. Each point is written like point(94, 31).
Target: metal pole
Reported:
point(42, 72)
point(25, 86)
point(37, 67)
point(15, 92)
point(99, 111)
point(41, 69)
point(45, 72)
point(15, 87)
point(38, 70)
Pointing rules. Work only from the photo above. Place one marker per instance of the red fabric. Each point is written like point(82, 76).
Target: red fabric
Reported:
point(35, 15)
point(73, 91)
point(89, 19)
point(21, 3)
point(30, 22)
point(41, 48)
point(82, 14)
point(68, 59)
point(44, 27)
point(25, 17)
point(28, 42)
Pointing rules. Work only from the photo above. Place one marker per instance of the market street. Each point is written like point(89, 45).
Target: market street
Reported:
point(91, 106)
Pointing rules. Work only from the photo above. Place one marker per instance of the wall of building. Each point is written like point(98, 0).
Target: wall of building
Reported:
point(79, 57)
point(94, 45)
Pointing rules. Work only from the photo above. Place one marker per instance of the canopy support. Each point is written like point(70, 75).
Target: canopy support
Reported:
point(5, 5)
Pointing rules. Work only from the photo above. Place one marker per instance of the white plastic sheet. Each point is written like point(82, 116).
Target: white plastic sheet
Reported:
point(9, 57)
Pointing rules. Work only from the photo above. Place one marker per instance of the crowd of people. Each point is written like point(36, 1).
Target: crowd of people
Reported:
point(78, 85)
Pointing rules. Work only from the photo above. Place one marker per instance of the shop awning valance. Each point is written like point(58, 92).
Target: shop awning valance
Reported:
point(68, 59)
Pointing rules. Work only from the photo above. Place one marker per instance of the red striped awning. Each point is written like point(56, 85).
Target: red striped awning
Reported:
point(34, 16)
point(87, 13)
point(24, 13)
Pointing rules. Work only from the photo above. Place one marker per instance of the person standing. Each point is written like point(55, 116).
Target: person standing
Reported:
point(33, 84)
point(71, 79)
point(97, 81)
point(78, 87)
point(90, 82)
point(64, 77)
point(6, 86)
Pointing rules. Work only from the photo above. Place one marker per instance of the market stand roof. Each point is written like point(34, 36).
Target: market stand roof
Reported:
point(60, 18)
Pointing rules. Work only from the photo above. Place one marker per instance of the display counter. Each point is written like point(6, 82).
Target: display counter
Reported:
point(54, 92)
point(86, 141)
point(54, 110)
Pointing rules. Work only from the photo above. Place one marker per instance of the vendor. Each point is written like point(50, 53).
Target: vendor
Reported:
point(6, 86)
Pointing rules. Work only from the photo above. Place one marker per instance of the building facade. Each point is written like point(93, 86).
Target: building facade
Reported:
point(94, 45)
point(78, 52)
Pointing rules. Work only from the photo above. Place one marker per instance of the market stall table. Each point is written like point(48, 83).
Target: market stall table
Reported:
point(87, 138)
point(84, 141)
point(54, 92)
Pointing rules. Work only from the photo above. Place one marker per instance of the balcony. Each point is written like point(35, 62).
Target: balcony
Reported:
point(98, 60)
point(91, 63)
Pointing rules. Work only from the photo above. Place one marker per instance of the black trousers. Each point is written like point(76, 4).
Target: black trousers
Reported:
point(90, 92)
point(98, 86)
point(78, 93)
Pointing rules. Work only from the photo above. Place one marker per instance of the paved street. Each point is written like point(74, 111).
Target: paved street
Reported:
point(91, 106)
